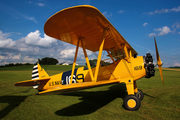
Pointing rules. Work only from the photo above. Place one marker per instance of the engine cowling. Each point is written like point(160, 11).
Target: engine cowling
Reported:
point(149, 66)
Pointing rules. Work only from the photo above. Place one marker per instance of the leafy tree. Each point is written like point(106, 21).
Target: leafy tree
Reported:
point(94, 61)
point(48, 61)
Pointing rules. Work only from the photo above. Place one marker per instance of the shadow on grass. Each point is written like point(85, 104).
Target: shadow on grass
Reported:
point(13, 101)
point(92, 101)
point(148, 95)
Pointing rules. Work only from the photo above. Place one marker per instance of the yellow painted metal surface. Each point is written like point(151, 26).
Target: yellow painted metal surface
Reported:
point(55, 81)
point(113, 73)
point(104, 77)
point(84, 21)
point(87, 61)
point(42, 72)
point(135, 87)
point(74, 63)
point(99, 56)
point(79, 86)
point(131, 103)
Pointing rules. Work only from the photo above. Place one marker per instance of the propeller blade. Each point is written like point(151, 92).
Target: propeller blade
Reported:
point(157, 54)
point(160, 70)
point(159, 61)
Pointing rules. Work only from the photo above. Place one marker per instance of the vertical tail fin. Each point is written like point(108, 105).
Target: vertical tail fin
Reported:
point(35, 73)
point(38, 73)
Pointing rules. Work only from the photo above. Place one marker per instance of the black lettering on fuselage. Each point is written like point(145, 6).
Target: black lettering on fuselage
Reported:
point(57, 82)
point(54, 83)
point(138, 67)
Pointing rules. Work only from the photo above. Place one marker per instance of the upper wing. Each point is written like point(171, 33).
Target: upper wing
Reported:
point(88, 22)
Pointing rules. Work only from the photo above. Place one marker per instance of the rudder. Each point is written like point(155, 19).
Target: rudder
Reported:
point(38, 73)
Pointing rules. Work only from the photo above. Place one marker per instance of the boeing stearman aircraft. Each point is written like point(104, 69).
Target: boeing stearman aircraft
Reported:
point(86, 27)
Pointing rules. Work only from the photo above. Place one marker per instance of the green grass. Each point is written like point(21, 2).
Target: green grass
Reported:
point(96, 103)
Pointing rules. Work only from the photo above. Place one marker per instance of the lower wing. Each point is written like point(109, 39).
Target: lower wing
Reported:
point(78, 86)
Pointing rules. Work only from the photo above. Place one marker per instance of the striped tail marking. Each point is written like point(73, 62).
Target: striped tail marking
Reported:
point(35, 73)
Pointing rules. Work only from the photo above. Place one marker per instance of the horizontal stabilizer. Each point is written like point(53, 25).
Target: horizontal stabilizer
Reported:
point(79, 86)
point(31, 82)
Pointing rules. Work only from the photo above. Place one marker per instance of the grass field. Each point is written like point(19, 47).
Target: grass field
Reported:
point(104, 103)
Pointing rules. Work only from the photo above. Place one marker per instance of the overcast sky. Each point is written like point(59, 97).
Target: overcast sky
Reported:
point(22, 37)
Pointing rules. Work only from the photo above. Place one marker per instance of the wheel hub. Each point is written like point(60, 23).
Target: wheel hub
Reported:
point(131, 103)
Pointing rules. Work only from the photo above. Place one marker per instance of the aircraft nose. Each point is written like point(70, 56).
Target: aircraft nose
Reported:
point(149, 66)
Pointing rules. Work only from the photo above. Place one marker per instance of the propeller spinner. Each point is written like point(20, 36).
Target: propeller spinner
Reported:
point(159, 62)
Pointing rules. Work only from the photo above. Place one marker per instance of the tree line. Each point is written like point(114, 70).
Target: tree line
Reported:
point(43, 61)
point(94, 61)
point(53, 61)
point(16, 64)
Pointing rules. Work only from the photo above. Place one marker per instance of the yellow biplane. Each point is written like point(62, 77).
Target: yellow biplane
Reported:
point(86, 27)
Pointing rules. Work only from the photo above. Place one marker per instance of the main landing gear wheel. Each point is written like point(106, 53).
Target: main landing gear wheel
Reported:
point(132, 103)
point(139, 94)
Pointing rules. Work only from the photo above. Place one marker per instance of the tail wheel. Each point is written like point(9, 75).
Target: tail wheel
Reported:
point(140, 94)
point(132, 103)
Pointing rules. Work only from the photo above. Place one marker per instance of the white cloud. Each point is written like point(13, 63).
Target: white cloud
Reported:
point(106, 14)
point(16, 57)
point(163, 31)
point(5, 41)
point(177, 64)
point(175, 9)
point(27, 17)
point(27, 59)
point(33, 38)
point(152, 35)
point(2, 57)
point(176, 25)
point(160, 31)
point(33, 47)
point(9, 56)
point(41, 4)
point(4, 35)
point(69, 53)
point(121, 11)
point(145, 24)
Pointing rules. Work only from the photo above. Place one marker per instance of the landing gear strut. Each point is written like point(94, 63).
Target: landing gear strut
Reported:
point(139, 94)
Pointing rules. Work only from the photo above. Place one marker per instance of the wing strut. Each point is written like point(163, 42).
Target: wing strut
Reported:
point(94, 78)
point(87, 60)
point(111, 56)
point(126, 53)
point(74, 63)
point(99, 55)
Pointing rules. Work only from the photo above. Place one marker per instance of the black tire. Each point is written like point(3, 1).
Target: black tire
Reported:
point(140, 94)
point(131, 102)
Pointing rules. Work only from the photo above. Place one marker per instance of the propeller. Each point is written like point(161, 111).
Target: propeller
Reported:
point(159, 62)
